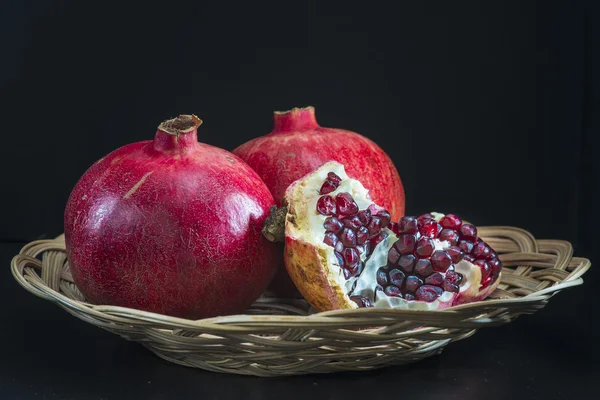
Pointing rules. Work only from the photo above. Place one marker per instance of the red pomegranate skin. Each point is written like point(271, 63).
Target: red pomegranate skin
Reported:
point(298, 145)
point(171, 226)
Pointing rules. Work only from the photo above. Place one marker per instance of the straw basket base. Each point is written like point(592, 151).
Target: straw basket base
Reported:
point(277, 337)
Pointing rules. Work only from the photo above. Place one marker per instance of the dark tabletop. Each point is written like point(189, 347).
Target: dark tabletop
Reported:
point(48, 354)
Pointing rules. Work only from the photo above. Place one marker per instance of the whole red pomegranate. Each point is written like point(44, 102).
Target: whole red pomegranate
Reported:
point(171, 226)
point(298, 145)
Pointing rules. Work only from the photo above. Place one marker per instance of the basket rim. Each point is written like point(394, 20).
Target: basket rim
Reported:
point(355, 318)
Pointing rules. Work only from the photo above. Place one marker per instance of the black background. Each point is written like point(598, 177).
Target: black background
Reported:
point(488, 109)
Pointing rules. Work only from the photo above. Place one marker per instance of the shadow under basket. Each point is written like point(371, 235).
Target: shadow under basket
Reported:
point(278, 337)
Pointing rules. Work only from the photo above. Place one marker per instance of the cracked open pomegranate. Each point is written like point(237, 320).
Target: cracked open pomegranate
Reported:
point(343, 251)
point(298, 145)
point(172, 226)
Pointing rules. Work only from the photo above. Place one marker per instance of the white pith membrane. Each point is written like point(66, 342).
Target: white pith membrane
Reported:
point(313, 232)
point(367, 281)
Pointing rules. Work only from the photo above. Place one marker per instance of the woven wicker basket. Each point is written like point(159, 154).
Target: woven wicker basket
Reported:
point(282, 337)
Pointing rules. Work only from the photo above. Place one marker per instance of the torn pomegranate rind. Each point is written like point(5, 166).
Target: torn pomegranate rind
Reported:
point(319, 286)
point(311, 263)
point(342, 251)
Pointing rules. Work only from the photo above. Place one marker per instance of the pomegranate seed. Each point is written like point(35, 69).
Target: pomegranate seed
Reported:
point(332, 224)
point(407, 263)
point(392, 291)
point(412, 283)
point(330, 239)
point(365, 216)
point(348, 237)
point(345, 204)
point(485, 269)
point(374, 226)
point(352, 222)
point(355, 269)
point(406, 244)
point(481, 251)
point(430, 229)
point(409, 296)
point(379, 238)
point(340, 259)
point(428, 293)
point(421, 219)
point(456, 254)
point(347, 274)
point(360, 266)
point(469, 258)
point(350, 256)
point(382, 277)
point(363, 248)
point(435, 279)
point(393, 256)
point(450, 287)
point(440, 260)
point(407, 225)
point(465, 246)
point(362, 235)
point(393, 226)
point(362, 301)
point(486, 282)
point(333, 177)
point(454, 277)
point(327, 187)
point(385, 218)
point(326, 205)
point(495, 265)
point(469, 232)
point(451, 221)
point(450, 236)
point(397, 277)
point(423, 267)
point(425, 246)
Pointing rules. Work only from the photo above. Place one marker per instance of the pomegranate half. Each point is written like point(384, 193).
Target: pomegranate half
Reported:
point(343, 251)
point(297, 145)
point(171, 226)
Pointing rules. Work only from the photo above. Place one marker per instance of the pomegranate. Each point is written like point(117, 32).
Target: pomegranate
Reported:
point(343, 250)
point(171, 226)
point(298, 145)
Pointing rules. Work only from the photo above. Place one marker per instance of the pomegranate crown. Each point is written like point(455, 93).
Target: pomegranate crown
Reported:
point(295, 119)
point(181, 124)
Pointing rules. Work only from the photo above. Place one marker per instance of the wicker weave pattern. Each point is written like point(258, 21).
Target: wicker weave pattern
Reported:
point(282, 337)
